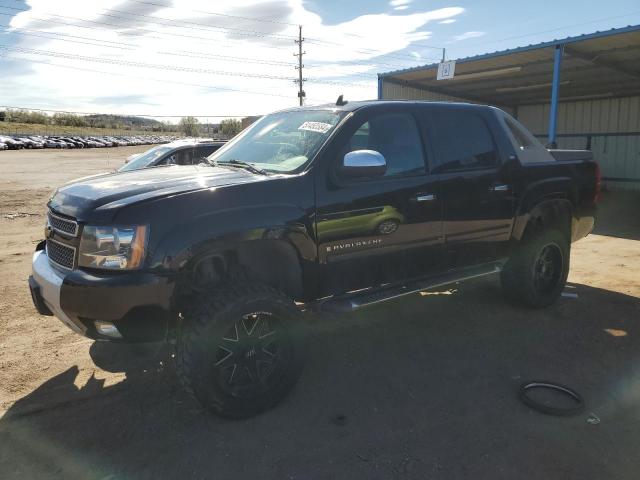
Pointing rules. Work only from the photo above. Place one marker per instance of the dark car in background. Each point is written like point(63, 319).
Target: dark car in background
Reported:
point(180, 152)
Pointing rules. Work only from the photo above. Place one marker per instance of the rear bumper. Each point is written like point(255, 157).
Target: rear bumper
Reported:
point(138, 304)
point(583, 226)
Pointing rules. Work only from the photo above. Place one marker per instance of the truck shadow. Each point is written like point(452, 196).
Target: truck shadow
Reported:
point(423, 387)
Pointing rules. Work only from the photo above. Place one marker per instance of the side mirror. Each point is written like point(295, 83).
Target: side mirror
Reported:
point(364, 163)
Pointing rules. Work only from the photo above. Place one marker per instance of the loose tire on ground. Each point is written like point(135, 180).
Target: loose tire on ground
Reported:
point(537, 271)
point(239, 350)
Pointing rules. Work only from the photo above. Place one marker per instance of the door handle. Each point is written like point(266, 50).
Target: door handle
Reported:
point(426, 197)
point(499, 188)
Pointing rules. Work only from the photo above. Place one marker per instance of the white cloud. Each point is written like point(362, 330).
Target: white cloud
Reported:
point(467, 35)
point(400, 4)
point(341, 58)
point(447, 21)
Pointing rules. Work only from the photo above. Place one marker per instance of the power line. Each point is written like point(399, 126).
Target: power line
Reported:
point(195, 54)
point(165, 67)
point(155, 79)
point(559, 28)
point(122, 46)
point(175, 24)
point(188, 53)
point(165, 36)
point(366, 51)
point(171, 36)
point(142, 64)
point(172, 23)
point(253, 19)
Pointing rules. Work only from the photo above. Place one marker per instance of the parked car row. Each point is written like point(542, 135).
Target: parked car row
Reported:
point(18, 142)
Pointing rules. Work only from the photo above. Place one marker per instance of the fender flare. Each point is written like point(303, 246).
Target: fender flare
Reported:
point(555, 195)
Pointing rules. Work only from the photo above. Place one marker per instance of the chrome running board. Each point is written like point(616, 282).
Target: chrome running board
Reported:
point(368, 297)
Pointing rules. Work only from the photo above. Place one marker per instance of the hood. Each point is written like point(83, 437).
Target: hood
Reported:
point(105, 193)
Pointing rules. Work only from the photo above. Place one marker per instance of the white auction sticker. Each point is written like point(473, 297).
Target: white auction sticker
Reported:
point(319, 127)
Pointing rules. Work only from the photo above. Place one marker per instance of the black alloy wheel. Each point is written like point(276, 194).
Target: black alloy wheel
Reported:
point(548, 268)
point(240, 349)
point(537, 269)
point(249, 354)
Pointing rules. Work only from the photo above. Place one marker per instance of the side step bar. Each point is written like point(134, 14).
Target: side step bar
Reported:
point(365, 298)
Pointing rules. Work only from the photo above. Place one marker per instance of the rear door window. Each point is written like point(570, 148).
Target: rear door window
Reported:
point(461, 141)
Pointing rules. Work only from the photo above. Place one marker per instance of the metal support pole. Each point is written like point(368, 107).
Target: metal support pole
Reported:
point(555, 95)
point(379, 88)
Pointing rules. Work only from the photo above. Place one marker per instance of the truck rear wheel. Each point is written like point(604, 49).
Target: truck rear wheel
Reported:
point(537, 272)
point(239, 350)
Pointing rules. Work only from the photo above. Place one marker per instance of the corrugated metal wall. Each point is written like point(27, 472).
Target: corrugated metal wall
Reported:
point(393, 91)
point(613, 125)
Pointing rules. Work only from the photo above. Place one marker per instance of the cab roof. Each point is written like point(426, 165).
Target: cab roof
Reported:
point(352, 106)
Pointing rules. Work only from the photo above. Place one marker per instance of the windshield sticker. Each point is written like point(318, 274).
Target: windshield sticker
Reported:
point(318, 127)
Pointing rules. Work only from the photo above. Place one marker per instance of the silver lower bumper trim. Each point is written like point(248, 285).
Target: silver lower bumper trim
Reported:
point(50, 282)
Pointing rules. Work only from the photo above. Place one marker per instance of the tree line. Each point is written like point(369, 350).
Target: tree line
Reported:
point(189, 126)
point(95, 121)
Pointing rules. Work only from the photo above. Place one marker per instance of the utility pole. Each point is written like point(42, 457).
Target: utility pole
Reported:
point(300, 81)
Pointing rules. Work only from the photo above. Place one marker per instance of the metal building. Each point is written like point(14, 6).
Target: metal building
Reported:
point(577, 92)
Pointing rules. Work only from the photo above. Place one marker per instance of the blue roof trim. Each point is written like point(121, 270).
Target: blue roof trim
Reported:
point(500, 53)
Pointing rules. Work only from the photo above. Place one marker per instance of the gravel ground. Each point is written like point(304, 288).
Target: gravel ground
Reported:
point(423, 387)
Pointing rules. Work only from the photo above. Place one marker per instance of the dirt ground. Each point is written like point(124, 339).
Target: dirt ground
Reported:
point(420, 388)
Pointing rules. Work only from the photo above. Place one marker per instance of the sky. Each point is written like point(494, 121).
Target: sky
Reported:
point(234, 58)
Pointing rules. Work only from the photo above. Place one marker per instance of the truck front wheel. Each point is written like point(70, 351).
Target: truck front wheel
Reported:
point(239, 349)
point(536, 273)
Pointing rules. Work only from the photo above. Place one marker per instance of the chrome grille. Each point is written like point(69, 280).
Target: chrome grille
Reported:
point(65, 226)
point(61, 255)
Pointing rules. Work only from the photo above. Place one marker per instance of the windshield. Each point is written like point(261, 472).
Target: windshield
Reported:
point(145, 158)
point(281, 142)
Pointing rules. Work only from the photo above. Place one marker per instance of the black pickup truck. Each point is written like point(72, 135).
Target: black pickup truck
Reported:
point(328, 208)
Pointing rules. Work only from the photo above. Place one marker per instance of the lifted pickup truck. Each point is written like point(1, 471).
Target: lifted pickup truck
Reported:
point(332, 208)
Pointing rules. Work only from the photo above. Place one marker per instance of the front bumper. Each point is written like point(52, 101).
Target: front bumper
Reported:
point(45, 284)
point(138, 304)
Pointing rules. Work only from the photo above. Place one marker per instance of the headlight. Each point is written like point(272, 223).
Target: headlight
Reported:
point(112, 248)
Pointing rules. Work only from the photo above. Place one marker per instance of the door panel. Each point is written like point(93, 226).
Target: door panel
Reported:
point(475, 187)
point(382, 230)
point(477, 217)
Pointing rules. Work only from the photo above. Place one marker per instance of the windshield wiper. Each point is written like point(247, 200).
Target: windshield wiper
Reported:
point(250, 167)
